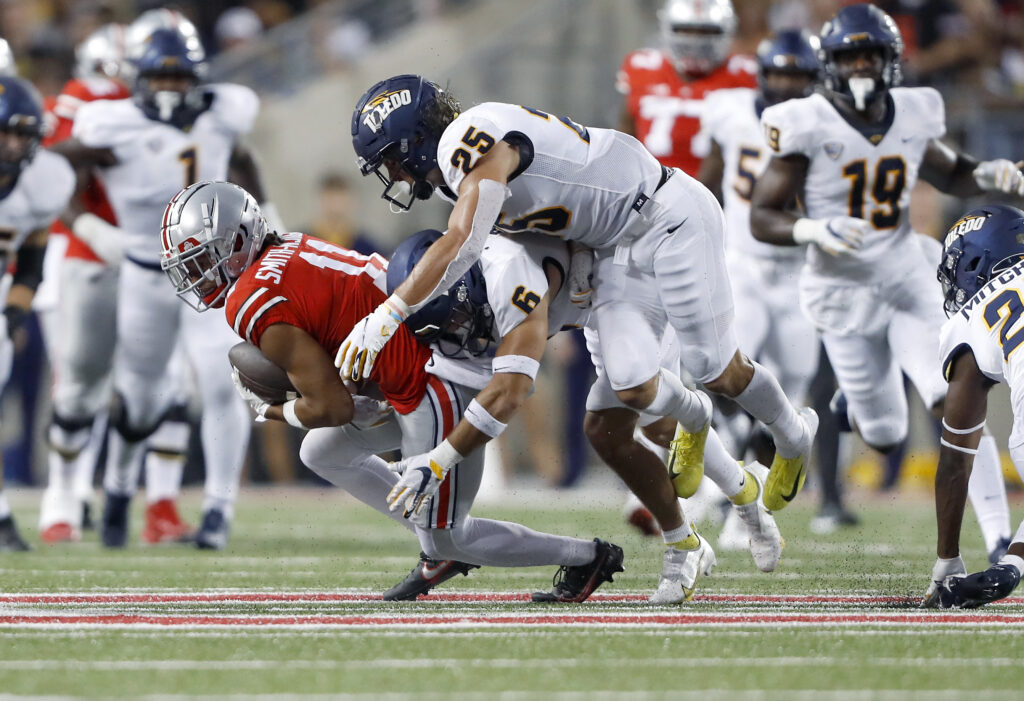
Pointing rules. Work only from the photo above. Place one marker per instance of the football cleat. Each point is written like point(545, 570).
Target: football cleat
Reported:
point(680, 571)
point(980, 588)
point(164, 525)
point(213, 531)
point(765, 541)
point(640, 518)
point(10, 540)
point(60, 533)
point(574, 583)
point(787, 475)
point(114, 525)
point(686, 457)
point(996, 553)
point(426, 575)
point(831, 517)
point(733, 536)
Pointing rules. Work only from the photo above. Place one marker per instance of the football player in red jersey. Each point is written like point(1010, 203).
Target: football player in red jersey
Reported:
point(297, 298)
point(665, 87)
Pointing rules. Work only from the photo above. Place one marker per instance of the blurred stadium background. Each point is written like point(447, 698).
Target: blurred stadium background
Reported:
point(310, 60)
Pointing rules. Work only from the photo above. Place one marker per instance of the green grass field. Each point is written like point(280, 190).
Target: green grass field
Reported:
point(288, 611)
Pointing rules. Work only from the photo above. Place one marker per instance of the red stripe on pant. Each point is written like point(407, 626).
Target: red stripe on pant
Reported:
point(448, 421)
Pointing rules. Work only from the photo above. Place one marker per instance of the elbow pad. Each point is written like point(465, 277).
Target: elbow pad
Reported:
point(490, 196)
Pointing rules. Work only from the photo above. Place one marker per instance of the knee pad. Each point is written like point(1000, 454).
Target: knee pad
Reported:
point(883, 434)
point(122, 424)
point(171, 437)
point(68, 437)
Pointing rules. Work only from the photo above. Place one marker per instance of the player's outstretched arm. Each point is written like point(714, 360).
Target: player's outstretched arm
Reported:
point(962, 423)
point(324, 400)
point(515, 367)
point(961, 175)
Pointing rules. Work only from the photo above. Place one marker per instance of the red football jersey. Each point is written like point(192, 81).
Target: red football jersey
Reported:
point(59, 116)
point(324, 290)
point(666, 108)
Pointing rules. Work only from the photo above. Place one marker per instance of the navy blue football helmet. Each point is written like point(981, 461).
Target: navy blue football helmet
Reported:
point(789, 51)
point(981, 244)
point(460, 320)
point(400, 121)
point(858, 27)
point(170, 53)
point(21, 112)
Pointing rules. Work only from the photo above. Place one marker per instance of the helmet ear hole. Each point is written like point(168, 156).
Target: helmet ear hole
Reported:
point(239, 242)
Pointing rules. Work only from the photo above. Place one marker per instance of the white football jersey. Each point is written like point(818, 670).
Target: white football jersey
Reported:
point(40, 195)
point(991, 324)
point(514, 270)
point(573, 182)
point(730, 119)
point(156, 160)
point(850, 174)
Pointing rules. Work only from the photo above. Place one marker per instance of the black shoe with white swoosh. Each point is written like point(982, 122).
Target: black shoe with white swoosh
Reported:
point(573, 584)
point(426, 575)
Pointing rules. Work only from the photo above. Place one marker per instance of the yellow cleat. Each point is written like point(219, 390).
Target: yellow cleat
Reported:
point(686, 460)
point(787, 476)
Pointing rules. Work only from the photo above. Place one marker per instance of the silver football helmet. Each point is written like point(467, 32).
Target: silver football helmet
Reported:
point(7, 64)
point(211, 233)
point(102, 54)
point(697, 33)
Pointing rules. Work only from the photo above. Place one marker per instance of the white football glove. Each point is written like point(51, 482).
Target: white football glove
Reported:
point(421, 477)
point(1001, 175)
point(942, 572)
point(258, 404)
point(581, 273)
point(835, 236)
point(369, 412)
point(358, 352)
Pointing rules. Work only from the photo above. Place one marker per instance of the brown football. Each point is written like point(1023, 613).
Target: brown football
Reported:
point(260, 374)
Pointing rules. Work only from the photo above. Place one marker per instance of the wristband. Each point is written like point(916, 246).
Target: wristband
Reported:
point(443, 458)
point(806, 230)
point(288, 409)
point(482, 420)
point(397, 308)
point(520, 364)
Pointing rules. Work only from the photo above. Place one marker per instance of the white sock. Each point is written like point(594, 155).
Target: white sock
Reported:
point(684, 405)
point(1014, 561)
point(5, 508)
point(987, 492)
point(163, 476)
point(720, 467)
point(764, 400)
point(677, 534)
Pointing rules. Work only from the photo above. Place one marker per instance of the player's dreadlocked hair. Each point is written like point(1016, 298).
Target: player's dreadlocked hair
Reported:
point(440, 112)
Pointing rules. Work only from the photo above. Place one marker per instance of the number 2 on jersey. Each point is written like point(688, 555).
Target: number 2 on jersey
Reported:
point(1005, 310)
point(886, 189)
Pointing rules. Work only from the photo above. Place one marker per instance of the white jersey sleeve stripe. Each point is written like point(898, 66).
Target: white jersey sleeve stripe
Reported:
point(245, 307)
point(260, 312)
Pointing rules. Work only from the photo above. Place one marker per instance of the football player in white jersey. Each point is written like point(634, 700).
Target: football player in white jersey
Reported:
point(35, 187)
point(982, 275)
point(172, 132)
point(853, 155)
point(656, 231)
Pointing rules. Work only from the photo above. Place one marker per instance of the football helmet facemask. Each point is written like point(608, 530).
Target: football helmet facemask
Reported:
point(459, 321)
point(855, 29)
point(697, 33)
point(211, 233)
point(981, 244)
point(396, 126)
point(792, 52)
point(169, 54)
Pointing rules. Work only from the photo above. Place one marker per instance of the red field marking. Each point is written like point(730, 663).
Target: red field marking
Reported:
point(448, 597)
point(680, 619)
